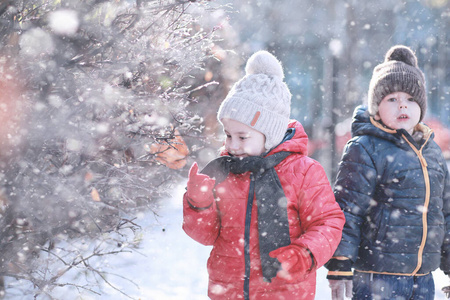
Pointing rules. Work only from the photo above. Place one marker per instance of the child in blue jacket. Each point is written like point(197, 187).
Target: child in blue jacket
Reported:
point(394, 188)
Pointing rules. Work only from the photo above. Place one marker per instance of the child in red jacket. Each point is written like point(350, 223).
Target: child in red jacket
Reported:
point(266, 208)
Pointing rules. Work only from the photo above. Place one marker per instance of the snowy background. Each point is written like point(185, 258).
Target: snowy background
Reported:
point(95, 95)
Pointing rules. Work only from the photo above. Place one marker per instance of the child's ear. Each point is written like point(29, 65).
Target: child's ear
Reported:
point(377, 117)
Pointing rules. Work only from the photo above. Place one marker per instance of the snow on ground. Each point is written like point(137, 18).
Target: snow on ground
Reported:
point(174, 266)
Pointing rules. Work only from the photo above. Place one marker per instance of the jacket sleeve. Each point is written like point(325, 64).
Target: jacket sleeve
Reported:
point(445, 253)
point(201, 223)
point(354, 188)
point(321, 219)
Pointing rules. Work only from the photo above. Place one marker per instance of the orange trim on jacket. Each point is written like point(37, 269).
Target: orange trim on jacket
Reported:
point(423, 162)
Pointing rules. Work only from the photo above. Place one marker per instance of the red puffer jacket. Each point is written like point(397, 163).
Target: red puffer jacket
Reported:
point(315, 223)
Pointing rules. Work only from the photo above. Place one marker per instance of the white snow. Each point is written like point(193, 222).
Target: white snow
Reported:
point(36, 42)
point(335, 47)
point(64, 22)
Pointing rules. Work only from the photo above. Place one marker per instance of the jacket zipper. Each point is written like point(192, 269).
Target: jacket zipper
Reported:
point(426, 177)
point(248, 219)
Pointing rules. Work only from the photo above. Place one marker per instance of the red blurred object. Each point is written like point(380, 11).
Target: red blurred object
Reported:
point(12, 108)
point(343, 134)
point(441, 134)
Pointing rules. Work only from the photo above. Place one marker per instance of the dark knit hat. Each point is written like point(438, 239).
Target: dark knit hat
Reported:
point(398, 73)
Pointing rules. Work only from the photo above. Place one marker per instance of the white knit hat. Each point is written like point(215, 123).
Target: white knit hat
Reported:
point(260, 100)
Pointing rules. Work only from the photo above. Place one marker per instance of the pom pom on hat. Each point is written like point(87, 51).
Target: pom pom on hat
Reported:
point(260, 100)
point(403, 54)
point(262, 62)
point(398, 73)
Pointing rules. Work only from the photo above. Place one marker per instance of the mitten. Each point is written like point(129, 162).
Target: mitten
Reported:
point(340, 278)
point(199, 188)
point(295, 261)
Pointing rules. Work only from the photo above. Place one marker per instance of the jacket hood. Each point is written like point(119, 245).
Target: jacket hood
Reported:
point(361, 125)
point(295, 141)
point(364, 124)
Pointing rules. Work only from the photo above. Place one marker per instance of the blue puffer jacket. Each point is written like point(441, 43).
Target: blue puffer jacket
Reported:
point(395, 194)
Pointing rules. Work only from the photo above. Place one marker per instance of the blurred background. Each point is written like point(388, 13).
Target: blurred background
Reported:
point(105, 104)
point(329, 50)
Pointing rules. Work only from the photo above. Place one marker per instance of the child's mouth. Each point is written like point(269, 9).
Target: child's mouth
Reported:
point(403, 117)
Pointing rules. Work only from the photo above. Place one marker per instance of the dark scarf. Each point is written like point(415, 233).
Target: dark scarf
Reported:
point(271, 201)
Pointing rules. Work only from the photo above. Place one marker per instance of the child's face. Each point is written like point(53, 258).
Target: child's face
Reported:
point(399, 111)
point(242, 140)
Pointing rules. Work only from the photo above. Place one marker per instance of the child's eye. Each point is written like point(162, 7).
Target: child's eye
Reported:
point(243, 137)
point(411, 99)
point(228, 136)
point(392, 99)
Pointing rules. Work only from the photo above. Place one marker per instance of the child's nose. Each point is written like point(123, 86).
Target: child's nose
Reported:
point(403, 103)
point(233, 145)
